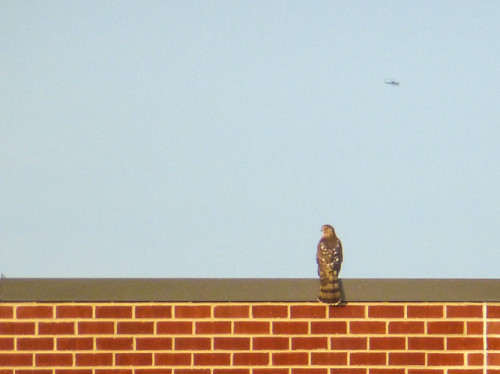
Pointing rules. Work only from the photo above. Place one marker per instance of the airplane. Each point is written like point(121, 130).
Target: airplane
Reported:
point(392, 81)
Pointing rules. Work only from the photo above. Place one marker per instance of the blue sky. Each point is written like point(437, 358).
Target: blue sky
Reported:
point(213, 139)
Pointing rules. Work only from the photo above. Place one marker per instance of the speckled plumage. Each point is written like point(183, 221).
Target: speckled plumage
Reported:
point(329, 257)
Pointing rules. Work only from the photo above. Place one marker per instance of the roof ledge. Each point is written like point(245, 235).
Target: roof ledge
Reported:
point(244, 290)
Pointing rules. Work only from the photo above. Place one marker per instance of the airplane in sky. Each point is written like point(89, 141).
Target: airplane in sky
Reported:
point(392, 81)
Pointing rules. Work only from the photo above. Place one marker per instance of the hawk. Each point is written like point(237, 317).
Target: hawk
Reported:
point(329, 258)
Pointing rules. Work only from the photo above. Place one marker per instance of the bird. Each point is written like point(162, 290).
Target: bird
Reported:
point(329, 257)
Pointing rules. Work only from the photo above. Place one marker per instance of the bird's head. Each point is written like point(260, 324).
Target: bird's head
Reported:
point(328, 231)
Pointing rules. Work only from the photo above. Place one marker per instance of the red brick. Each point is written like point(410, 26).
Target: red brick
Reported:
point(35, 344)
point(445, 327)
point(192, 371)
point(269, 311)
point(152, 371)
point(464, 344)
point(192, 311)
point(492, 328)
point(425, 311)
point(309, 371)
point(76, 371)
point(232, 343)
point(6, 312)
point(85, 328)
point(270, 343)
point(464, 311)
point(465, 371)
point(308, 311)
point(493, 344)
point(153, 311)
point(367, 327)
point(175, 327)
point(328, 327)
point(387, 343)
point(346, 311)
point(134, 359)
point(250, 359)
point(94, 359)
point(474, 328)
point(192, 343)
point(153, 344)
point(406, 327)
point(135, 328)
point(231, 311)
point(54, 359)
point(251, 327)
point(294, 358)
point(114, 344)
point(445, 359)
point(386, 371)
point(213, 327)
point(493, 311)
point(231, 371)
point(270, 371)
point(475, 359)
point(17, 328)
point(493, 359)
point(16, 359)
point(368, 358)
point(113, 311)
point(425, 371)
point(348, 371)
point(113, 371)
point(75, 344)
point(386, 311)
point(37, 312)
point(7, 371)
point(349, 343)
point(6, 344)
point(74, 311)
point(32, 371)
point(309, 343)
point(406, 358)
point(211, 359)
point(56, 328)
point(173, 359)
point(425, 343)
point(290, 328)
point(328, 358)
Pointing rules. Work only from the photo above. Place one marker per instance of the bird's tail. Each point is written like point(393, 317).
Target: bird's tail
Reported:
point(329, 292)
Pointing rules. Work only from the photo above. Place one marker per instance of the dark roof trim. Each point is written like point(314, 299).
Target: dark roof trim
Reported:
point(245, 290)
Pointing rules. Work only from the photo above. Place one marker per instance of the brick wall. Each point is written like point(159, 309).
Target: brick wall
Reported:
point(249, 338)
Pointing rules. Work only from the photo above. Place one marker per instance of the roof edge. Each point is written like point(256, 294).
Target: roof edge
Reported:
point(243, 290)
